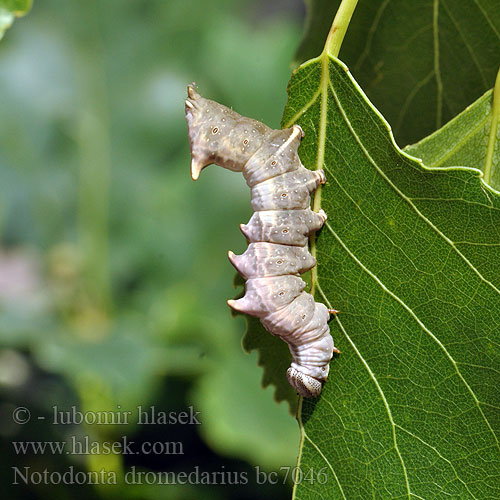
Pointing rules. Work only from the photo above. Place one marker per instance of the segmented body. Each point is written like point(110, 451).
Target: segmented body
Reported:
point(277, 232)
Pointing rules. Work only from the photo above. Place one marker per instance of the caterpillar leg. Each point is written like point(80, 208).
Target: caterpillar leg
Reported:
point(334, 311)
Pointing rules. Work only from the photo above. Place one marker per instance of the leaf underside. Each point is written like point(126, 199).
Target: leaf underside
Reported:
point(464, 141)
point(410, 256)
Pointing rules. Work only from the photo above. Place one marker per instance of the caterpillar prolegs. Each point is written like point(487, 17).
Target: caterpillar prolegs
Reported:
point(277, 232)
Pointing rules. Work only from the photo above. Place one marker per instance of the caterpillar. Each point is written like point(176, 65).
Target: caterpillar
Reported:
point(277, 232)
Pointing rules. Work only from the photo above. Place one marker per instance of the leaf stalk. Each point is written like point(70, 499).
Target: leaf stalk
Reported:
point(331, 49)
point(339, 27)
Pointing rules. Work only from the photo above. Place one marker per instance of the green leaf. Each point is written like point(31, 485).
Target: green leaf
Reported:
point(421, 63)
point(227, 409)
point(470, 139)
point(10, 9)
point(274, 357)
point(410, 256)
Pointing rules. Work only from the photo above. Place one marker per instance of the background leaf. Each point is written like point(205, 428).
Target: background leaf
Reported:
point(420, 63)
point(410, 257)
point(464, 141)
point(274, 358)
point(10, 9)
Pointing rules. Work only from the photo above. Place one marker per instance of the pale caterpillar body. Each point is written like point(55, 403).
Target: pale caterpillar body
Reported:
point(277, 232)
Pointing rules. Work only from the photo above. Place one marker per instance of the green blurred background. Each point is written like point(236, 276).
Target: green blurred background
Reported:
point(113, 274)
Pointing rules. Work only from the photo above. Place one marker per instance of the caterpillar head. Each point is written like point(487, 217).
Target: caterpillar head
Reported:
point(305, 385)
point(219, 135)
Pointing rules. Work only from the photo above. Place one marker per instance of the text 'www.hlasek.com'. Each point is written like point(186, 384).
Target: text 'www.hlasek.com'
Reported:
point(84, 439)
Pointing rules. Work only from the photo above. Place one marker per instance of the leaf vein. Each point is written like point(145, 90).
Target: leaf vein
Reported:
point(438, 454)
point(471, 52)
point(377, 228)
point(411, 95)
point(322, 455)
point(384, 400)
point(406, 198)
point(302, 110)
point(463, 140)
point(419, 322)
point(461, 200)
point(371, 32)
point(437, 71)
point(488, 20)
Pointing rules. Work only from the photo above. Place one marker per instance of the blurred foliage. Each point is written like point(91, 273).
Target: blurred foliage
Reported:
point(112, 271)
point(10, 9)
